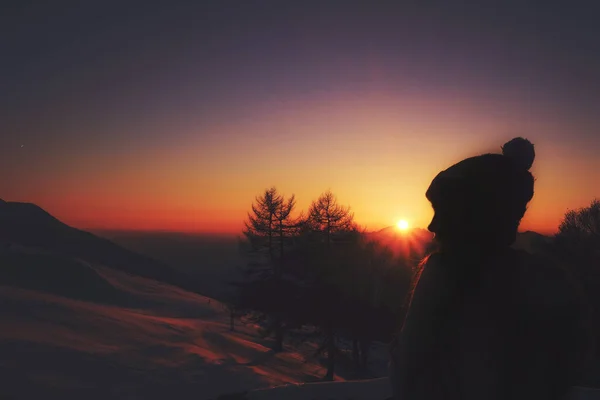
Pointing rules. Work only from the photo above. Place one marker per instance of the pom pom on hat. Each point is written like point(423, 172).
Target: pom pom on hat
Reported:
point(520, 151)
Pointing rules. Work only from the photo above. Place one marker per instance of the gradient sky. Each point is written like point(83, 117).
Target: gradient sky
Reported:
point(173, 116)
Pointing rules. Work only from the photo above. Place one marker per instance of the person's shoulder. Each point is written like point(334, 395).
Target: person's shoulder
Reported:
point(545, 282)
point(430, 275)
point(431, 260)
point(536, 267)
point(540, 269)
point(431, 267)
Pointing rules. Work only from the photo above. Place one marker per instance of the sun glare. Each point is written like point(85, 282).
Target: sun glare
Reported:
point(402, 225)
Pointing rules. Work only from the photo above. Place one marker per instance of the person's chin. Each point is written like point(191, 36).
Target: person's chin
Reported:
point(438, 242)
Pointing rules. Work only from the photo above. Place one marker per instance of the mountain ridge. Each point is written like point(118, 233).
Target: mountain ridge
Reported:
point(29, 225)
point(529, 240)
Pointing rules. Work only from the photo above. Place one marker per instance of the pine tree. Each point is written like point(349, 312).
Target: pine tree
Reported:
point(333, 225)
point(268, 230)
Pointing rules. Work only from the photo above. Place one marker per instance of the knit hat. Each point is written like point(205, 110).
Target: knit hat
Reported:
point(494, 188)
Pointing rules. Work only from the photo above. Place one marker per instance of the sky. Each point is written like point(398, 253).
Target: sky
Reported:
point(175, 115)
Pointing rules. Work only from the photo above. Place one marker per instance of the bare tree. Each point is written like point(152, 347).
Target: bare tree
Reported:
point(231, 309)
point(577, 244)
point(331, 220)
point(578, 239)
point(261, 225)
point(583, 223)
point(327, 216)
point(268, 229)
point(286, 227)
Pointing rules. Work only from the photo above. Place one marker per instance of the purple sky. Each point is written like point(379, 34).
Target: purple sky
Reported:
point(113, 99)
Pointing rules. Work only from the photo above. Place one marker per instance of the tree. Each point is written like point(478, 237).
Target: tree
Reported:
point(261, 225)
point(268, 229)
point(287, 228)
point(379, 283)
point(582, 227)
point(577, 245)
point(347, 285)
point(326, 216)
point(231, 309)
point(334, 226)
point(369, 278)
point(578, 240)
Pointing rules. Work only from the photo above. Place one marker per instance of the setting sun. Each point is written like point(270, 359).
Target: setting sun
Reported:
point(402, 225)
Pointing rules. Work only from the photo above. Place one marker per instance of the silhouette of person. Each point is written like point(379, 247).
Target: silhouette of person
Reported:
point(486, 321)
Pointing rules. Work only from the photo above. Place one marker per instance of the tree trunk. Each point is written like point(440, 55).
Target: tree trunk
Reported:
point(330, 354)
point(356, 354)
point(364, 354)
point(278, 334)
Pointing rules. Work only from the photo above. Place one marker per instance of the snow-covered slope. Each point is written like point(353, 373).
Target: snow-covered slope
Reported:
point(156, 342)
point(372, 389)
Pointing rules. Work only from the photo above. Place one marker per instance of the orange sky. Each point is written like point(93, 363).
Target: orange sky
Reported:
point(376, 159)
point(175, 118)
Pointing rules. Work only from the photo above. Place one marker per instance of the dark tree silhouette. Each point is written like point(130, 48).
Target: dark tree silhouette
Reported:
point(260, 229)
point(320, 270)
point(334, 226)
point(328, 217)
point(268, 230)
point(380, 281)
point(231, 308)
point(287, 229)
point(577, 244)
point(583, 227)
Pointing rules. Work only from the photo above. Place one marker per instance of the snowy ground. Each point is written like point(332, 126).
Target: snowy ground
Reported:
point(373, 389)
point(134, 338)
point(158, 342)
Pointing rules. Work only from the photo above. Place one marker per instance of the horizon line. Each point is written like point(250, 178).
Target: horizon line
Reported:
point(240, 233)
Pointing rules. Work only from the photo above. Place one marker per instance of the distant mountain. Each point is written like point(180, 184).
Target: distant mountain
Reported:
point(532, 242)
point(28, 225)
point(421, 239)
point(211, 260)
point(391, 232)
point(415, 242)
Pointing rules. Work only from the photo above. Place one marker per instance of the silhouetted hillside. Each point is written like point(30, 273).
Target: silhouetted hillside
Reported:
point(212, 260)
point(28, 225)
point(56, 274)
